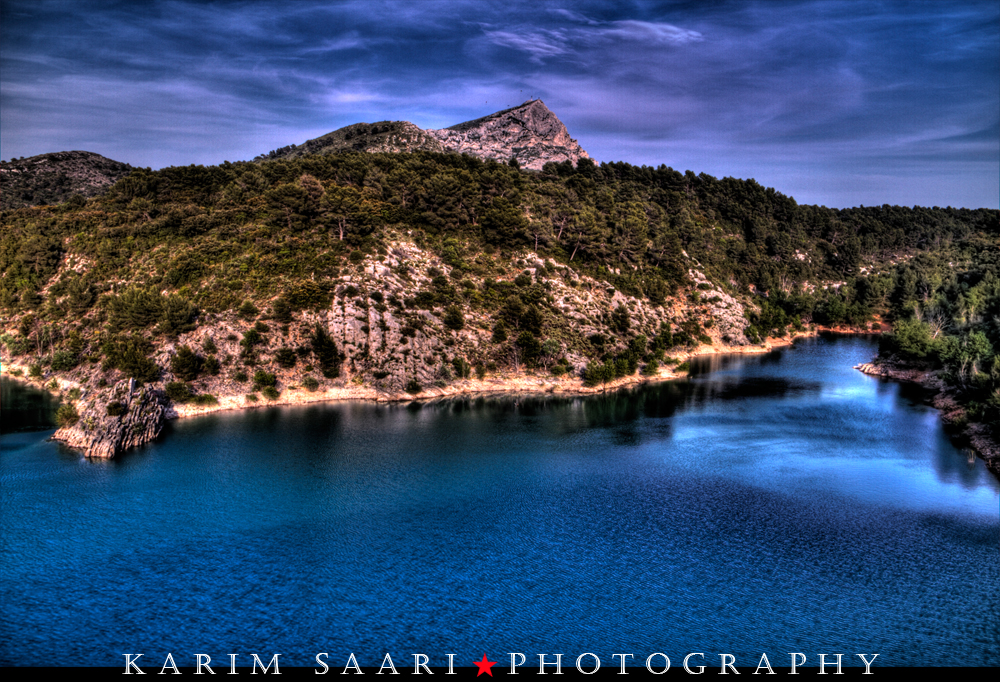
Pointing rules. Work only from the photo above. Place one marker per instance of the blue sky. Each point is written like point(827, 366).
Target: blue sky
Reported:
point(833, 102)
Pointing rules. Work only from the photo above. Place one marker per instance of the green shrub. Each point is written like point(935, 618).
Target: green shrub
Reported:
point(240, 376)
point(66, 415)
point(683, 367)
point(911, 338)
point(185, 364)
point(281, 311)
point(212, 365)
point(327, 355)
point(530, 347)
point(134, 309)
point(413, 387)
point(115, 409)
point(621, 320)
point(179, 392)
point(306, 295)
point(310, 383)
point(262, 379)
point(205, 399)
point(252, 397)
point(286, 357)
point(63, 360)
point(270, 392)
point(177, 316)
point(453, 318)
point(652, 368)
point(598, 373)
point(129, 354)
point(247, 310)
point(35, 371)
point(463, 370)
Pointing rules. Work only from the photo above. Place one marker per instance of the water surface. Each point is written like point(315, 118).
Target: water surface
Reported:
point(771, 504)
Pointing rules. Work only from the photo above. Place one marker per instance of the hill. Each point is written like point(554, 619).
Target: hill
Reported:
point(384, 136)
point(54, 178)
point(398, 275)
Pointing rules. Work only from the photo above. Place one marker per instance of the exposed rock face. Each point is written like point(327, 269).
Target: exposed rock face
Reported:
point(138, 416)
point(530, 133)
point(729, 321)
point(54, 178)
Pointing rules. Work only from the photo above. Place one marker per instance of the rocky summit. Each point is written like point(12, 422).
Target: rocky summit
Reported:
point(529, 133)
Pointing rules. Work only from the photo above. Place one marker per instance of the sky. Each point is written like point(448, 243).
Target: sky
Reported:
point(832, 102)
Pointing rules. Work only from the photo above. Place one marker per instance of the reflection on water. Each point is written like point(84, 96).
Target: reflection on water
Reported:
point(24, 407)
point(783, 502)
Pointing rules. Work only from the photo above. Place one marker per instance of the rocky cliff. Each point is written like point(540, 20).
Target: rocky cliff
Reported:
point(529, 133)
point(117, 420)
point(54, 178)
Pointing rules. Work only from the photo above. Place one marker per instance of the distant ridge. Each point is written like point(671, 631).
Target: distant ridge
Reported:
point(55, 177)
point(529, 133)
point(384, 136)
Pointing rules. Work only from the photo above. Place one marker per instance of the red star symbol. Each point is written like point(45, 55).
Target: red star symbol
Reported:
point(484, 666)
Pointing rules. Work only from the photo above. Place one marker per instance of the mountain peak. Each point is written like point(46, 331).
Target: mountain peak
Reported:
point(530, 133)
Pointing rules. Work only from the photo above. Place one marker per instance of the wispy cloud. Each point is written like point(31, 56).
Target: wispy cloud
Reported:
point(648, 32)
point(632, 34)
point(795, 92)
point(538, 45)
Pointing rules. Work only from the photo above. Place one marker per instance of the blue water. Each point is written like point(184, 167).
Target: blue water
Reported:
point(770, 504)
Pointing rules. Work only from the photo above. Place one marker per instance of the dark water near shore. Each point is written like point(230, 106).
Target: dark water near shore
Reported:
point(770, 504)
point(24, 407)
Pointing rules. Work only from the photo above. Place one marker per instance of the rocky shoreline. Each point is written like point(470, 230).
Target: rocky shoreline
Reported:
point(134, 415)
point(944, 400)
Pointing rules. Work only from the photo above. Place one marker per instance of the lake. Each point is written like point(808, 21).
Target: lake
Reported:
point(768, 504)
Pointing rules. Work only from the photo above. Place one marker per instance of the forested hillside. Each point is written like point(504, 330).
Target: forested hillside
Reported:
point(398, 271)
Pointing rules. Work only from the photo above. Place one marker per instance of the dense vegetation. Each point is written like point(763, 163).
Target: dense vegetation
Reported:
point(949, 317)
point(161, 251)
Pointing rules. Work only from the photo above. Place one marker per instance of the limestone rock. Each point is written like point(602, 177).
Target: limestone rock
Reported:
point(530, 133)
point(138, 418)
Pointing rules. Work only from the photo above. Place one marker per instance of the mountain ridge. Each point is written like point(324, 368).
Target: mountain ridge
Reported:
point(531, 134)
